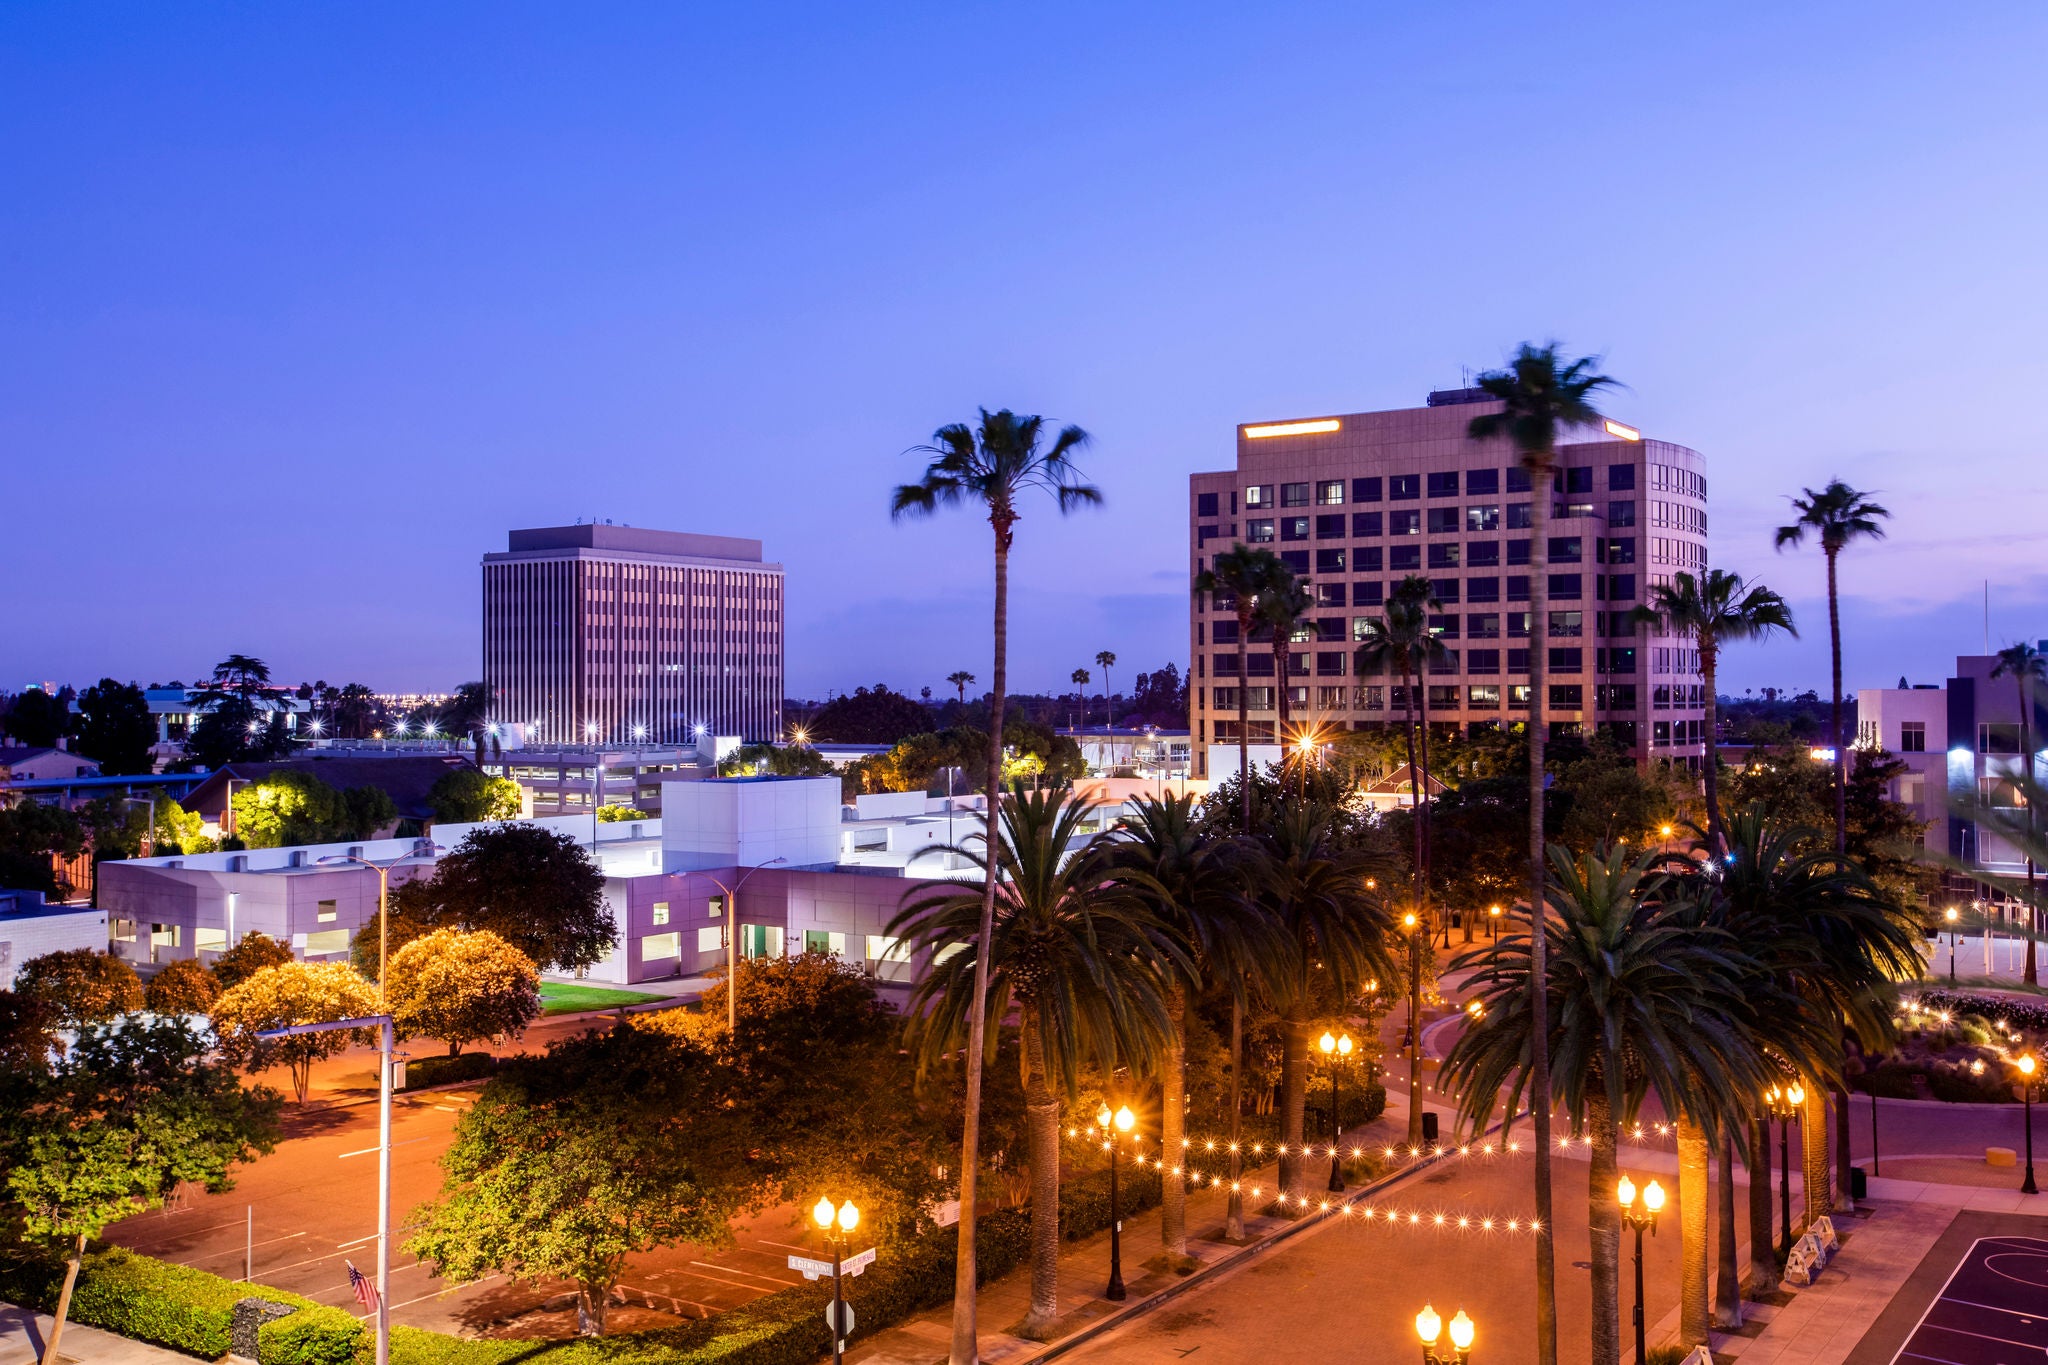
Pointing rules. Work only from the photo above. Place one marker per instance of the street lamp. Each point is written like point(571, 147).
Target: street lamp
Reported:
point(1493, 920)
point(1430, 1327)
point(1338, 1050)
point(2026, 1064)
point(383, 871)
point(732, 944)
point(1784, 1102)
point(1639, 1214)
point(1410, 921)
point(1112, 1124)
point(837, 1223)
point(1951, 916)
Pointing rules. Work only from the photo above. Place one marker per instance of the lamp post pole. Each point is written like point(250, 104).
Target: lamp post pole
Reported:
point(1639, 1211)
point(837, 1222)
point(732, 942)
point(1785, 1103)
point(1950, 916)
point(2027, 1065)
point(1338, 1050)
point(1112, 1124)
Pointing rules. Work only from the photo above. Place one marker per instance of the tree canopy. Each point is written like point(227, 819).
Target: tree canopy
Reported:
point(461, 987)
point(115, 728)
point(870, 716)
point(467, 795)
point(281, 809)
point(537, 890)
point(80, 986)
point(293, 993)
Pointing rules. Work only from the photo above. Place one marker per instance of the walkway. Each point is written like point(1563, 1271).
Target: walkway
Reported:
point(23, 1333)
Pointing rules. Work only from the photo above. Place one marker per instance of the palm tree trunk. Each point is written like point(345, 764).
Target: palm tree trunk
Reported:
point(965, 1348)
point(2027, 769)
point(1818, 1159)
point(1603, 1227)
point(57, 1320)
point(1244, 737)
point(1421, 923)
point(1709, 664)
point(1540, 463)
point(1294, 1098)
point(1422, 797)
point(1728, 1285)
point(1281, 707)
point(1692, 1233)
point(1835, 722)
point(1042, 1129)
point(1173, 1205)
point(1763, 1255)
point(1233, 1211)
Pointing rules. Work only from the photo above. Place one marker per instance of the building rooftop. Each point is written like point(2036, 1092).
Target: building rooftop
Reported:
point(633, 540)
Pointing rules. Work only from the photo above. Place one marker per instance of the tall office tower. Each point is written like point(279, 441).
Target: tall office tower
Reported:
point(1357, 503)
point(611, 634)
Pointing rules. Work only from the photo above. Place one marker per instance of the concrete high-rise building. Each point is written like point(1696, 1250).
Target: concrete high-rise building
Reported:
point(612, 634)
point(1356, 503)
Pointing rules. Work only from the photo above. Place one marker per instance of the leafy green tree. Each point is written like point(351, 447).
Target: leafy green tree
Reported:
point(568, 1163)
point(115, 728)
point(1080, 957)
point(181, 986)
point(1715, 609)
point(37, 719)
point(1541, 395)
point(537, 890)
point(234, 728)
point(1645, 999)
point(31, 834)
point(286, 808)
point(247, 956)
point(462, 987)
point(364, 812)
point(870, 716)
point(1241, 576)
point(293, 993)
point(2028, 669)
point(80, 986)
point(1838, 516)
point(790, 760)
point(121, 1120)
point(989, 469)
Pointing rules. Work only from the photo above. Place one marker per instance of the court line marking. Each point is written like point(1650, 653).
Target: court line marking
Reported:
point(1968, 1255)
point(1984, 1336)
point(1994, 1308)
point(367, 1150)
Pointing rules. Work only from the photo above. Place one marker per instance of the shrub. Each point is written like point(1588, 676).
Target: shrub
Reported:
point(467, 1066)
point(315, 1335)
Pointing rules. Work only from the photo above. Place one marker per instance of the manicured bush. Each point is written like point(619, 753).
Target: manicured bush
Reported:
point(468, 1066)
point(315, 1335)
point(1084, 1201)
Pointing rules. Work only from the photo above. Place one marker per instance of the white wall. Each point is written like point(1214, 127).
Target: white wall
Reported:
point(750, 822)
point(25, 936)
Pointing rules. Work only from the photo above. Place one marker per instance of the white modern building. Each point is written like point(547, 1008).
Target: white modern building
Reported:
point(30, 928)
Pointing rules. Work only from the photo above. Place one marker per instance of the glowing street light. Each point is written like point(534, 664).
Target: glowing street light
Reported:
point(1639, 1214)
point(2027, 1066)
point(1338, 1049)
point(1429, 1325)
point(837, 1223)
point(1951, 915)
point(1120, 1122)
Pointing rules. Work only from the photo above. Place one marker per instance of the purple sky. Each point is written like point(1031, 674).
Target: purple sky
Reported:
point(303, 306)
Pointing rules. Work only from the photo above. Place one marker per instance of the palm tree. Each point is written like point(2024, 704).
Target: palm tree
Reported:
point(1400, 640)
point(1282, 607)
point(1184, 879)
point(1106, 660)
point(1714, 609)
point(990, 468)
point(1313, 885)
point(1242, 573)
point(1838, 515)
point(1079, 678)
point(2028, 669)
point(1540, 394)
point(355, 711)
point(467, 714)
point(1076, 952)
point(961, 680)
point(1646, 1000)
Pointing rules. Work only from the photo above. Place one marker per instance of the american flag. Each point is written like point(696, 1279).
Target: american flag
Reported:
point(366, 1292)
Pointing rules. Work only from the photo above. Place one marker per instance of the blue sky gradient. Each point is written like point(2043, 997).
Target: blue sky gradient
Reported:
point(301, 307)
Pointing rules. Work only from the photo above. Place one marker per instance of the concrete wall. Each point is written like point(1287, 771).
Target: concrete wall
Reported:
point(34, 930)
point(750, 821)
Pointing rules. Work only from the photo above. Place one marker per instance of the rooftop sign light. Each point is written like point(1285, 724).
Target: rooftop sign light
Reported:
point(1626, 433)
point(1317, 427)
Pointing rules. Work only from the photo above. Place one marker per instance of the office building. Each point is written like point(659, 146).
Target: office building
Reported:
point(614, 634)
point(1356, 503)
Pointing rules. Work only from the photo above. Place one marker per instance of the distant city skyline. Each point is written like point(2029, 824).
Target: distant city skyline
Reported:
point(305, 309)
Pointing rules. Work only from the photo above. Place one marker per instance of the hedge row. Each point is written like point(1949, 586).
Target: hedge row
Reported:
point(2031, 1015)
point(464, 1066)
point(186, 1310)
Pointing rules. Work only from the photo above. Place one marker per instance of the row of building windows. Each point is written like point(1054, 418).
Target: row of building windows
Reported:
point(1621, 478)
point(1564, 587)
point(1485, 554)
point(1663, 733)
point(1567, 624)
point(1441, 697)
point(1338, 663)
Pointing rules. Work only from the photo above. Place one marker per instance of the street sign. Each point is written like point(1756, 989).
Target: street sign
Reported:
point(839, 1317)
point(813, 1268)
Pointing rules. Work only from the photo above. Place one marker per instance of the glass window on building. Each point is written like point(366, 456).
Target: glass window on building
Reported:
point(1567, 696)
point(1330, 560)
point(1913, 737)
point(1443, 696)
point(326, 941)
point(1622, 513)
point(1205, 505)
point(1566, 549)
point(666, 947)
point(1520, 517)
point(1365, 490)
point(1365, 524)
point(1483, 518)
point(1998, 738)
point(1444, 555)
point(1369, 697)
point(1444, 485)
point(1404, 558)
point(326, 912)
point(1483, 625)
point(1518, 696)
point(883, 948)
point(710, 939)
point(1443, 521)
point(1330, 492)
point(204, 940)
point(1329, 594)
point(1482, 661)
point(1566, 587)
point(1404, 487)
point(1482, 554)
point(660, 913)
point(1567, 625)
point(1294, 495)
point(1259, 495)
point(1483, 696)
point(1330, 526)
point(1259, 530)
point(1565, 659)
point(1404, 523)
point(761, 940)
point(1294, 528)
point(1482, 589)
point(1368, 592)
point(1481, 481)
point(1444, 626)
point(716, 907)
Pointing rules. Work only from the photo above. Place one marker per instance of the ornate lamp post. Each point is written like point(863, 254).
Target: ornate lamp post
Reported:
point(1120, 1122)
point(1784, 1102)
point(2027, 1066)
point(1951, 916)
point(1493, 922)
point(1338, 1050)
point(837, 1223)
point(1430, 1327)
point(1640, 1213)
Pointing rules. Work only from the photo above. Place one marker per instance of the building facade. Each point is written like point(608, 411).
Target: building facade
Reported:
point(614, 634)
point(1356, 503)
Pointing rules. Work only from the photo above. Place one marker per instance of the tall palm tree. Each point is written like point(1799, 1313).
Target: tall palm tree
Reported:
point(991, 467)
point(1838, 515)
point(2028, 669)
point(961, 680)
point(1313, 884)
point(1185, 879)
point(1714, 609)
point(1400, 640)
point(1646, 1000)
point(1079, 678)
point(1076, 952)
point(1243, 573)
point(1106, 660)
point(1541, 394)
point(1283, 606)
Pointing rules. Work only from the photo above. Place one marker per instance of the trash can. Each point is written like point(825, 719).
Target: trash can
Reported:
point(1859, 1183)
point(1429, 1127)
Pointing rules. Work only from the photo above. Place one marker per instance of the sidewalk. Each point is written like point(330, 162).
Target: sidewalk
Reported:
point(23, 1333)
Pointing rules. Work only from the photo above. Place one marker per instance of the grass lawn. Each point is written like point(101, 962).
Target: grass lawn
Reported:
point(561, 998)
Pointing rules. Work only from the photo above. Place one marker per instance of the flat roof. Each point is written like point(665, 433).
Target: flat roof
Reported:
point(633, 540)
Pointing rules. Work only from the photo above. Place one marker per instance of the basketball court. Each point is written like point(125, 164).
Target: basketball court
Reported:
point(1979, 1297)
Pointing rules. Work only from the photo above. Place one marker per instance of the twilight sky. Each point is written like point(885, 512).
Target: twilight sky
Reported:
point(302, 306)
